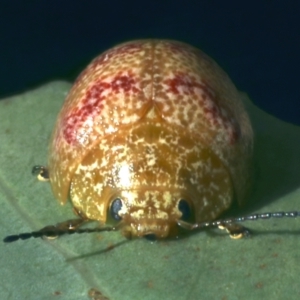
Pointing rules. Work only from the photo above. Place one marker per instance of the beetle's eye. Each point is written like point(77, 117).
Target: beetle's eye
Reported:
point(115, 207)
point(185, 209)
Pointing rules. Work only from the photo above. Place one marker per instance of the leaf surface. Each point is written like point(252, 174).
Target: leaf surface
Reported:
point(202, 266)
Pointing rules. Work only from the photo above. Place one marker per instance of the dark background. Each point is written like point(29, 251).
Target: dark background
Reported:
point(256, 42)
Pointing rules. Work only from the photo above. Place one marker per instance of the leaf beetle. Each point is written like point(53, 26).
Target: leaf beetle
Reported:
point(152, 137)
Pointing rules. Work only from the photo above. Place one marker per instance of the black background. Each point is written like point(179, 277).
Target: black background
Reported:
point(256, 42)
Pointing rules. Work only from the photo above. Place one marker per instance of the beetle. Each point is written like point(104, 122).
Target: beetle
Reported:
point(153, 137)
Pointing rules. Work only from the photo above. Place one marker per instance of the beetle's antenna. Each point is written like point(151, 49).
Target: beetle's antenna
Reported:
point(53, 233)
point(253, 217)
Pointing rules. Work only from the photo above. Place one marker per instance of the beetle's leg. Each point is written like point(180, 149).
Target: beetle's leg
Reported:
point(41, 173)
point(235, 231)
point(71, 224)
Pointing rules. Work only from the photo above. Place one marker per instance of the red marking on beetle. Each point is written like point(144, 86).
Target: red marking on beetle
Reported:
point(189, 86)
point(125, 83)
point(181, 83)
point(91, 104)
point(186, 85)
point(105, 58)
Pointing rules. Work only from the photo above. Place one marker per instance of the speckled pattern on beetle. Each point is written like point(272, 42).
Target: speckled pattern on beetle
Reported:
point(152, 132)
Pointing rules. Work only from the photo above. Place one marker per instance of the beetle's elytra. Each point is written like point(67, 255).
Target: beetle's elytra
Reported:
point(153, 131)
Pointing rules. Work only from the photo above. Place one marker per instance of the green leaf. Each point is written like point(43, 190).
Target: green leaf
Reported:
point(201, 266)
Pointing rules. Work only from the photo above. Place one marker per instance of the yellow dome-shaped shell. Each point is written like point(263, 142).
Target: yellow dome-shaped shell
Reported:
point(169, 95)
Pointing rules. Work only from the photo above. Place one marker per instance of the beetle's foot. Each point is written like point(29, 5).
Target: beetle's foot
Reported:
point(53, 231)
point(50, 232)
point(41, 173)
point(236, 231)
point(70, 224)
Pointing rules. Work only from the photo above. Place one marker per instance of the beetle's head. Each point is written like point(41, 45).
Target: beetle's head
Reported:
point(150, 213)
